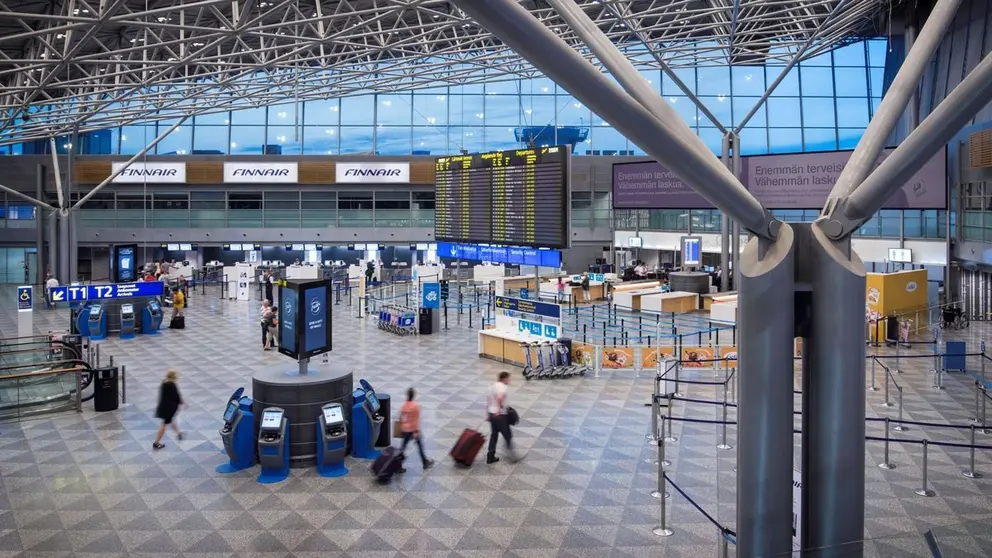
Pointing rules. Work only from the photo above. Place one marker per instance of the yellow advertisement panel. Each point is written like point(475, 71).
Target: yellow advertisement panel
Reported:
point(697, 357)
point(905, 290)
point(652, 356)
point(618, 357)
point(582, 354)
point(729, 356)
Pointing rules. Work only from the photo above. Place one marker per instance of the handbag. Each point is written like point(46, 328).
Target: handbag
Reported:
point(512, 416)
point(397, 428)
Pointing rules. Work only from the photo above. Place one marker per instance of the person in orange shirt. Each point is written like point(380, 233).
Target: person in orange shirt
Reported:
point(410, 428)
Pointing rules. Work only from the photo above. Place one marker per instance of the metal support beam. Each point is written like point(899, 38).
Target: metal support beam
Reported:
point(735, 246)
point(40, 226)
point(527, 36)
point(893, 105)
point(58, 173)
point(725, 225)
point(764, 415)
point(625, 73)
point(136, 156)
point(26, 198)
point(952, 114)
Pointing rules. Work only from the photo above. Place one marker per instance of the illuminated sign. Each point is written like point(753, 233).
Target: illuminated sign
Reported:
point(528, 306)
point(137, 173)
point(372, 173)
point(261, 172)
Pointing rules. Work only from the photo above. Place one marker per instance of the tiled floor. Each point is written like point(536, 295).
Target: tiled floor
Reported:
point(90, 485)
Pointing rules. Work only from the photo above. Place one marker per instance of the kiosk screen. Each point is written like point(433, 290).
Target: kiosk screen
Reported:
point(271, 419)
point(373, 401)
point(232, 407)
point(333, 415)
point(127, 309)
point(154, 307)
point(95, 310)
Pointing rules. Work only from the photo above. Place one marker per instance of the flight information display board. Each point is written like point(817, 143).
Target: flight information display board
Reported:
point(514, 198)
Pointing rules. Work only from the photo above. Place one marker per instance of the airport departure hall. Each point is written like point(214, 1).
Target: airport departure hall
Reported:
point(496, 278)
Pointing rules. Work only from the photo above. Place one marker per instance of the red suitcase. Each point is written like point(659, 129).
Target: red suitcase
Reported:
point(467, 447)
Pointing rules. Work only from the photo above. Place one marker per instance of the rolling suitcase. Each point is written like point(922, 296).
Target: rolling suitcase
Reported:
point(467, 447)
point(179, 322)
point(387, 464)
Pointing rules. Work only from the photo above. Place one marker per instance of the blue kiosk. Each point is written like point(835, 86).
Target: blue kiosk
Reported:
point(96, 322)
point(366, 422)
point(238, 434)
point(151, 318)
point(273, 446)
point(332, 441)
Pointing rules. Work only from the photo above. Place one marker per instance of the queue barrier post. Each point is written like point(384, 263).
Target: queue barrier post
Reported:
point(985, 398)
point(901, 427)
point(885, 391)
point(978, 405)
point(886, 462)
point(970, 472)
point(662, 529)
point(655, 410)
point(723, 437)
point(671, 432)
point(872, 387)
point(724, 545)
point(925, 490)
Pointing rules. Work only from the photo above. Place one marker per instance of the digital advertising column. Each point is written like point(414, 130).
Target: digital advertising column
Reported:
point(305, 319)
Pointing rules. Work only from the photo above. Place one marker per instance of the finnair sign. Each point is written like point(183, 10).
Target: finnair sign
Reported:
point(261, 173)
point(151, 173)
point(372, 173)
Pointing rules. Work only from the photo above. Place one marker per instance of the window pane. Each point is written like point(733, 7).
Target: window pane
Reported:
point(216, 119)
point(248, 116)
point(748, 80)
point(247, 139)
point(713, 138)
point(719, 107)
point(468, 110)
point(822, 59)
point(502, 110)
point(285, 138)
point(607, 141)
point(818, 112)
point(686, 75)
point(784, 112)
point(134, 138)
point(684, 107)
point(539, 110)
point(394, 110)
point(320, 140)
point(325, 111)
point(876, 52)
point(430, 110)
point(848, 138)
point(430, 141)
point(817, 82)
point(789, 85)
point(851, 82)
point(743, 105)
point(499, 138)
point(852, 113)
point(471, 139)
point(713, 80)
point(785, 140)
point(178, 142)
point(210, 139)
point(357, 110)
point(508, 87)
point(571, 112)
point(356, 139)
point(817, 139)
point(875, 81)
point(754, 141)
point(393, 140)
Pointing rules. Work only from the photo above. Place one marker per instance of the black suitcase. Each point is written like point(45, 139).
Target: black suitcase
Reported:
point(179, 322)
point(387, 464)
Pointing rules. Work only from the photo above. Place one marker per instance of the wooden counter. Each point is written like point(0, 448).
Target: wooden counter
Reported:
point(504, 347)
point(677, 301)
point(632, 298)
point(634, 286)
point(710, 298)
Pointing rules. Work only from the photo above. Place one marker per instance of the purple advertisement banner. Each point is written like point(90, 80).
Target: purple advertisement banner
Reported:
point(796, 181)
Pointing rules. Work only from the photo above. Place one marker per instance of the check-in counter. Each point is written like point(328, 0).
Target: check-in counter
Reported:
point(596, 292)
point(679, 302)
point(712, 298)
point(303, 272)
point(504, 346)
point(631, 298)
point(488, 272)
point(634, 286)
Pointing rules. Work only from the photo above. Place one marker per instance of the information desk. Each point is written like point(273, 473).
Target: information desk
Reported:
point(504, 346)
point(711, 298)
point(595, 290)
point(631, 298)
point(678, 302)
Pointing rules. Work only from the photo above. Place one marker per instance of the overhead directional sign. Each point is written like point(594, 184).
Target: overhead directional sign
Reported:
point(528, 306)
point(76, 293)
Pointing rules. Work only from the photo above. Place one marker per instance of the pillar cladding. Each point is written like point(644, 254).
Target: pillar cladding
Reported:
point(833, 460)
point(764, 427)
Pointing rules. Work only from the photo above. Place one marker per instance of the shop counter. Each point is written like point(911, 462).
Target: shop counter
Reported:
point(504, 346)
point(679, 302)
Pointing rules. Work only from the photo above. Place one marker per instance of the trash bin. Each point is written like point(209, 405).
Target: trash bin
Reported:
point(386, 432)
point(426, 321)
point(105, 385)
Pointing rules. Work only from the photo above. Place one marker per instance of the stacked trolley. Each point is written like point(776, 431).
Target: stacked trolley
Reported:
point(400, 320)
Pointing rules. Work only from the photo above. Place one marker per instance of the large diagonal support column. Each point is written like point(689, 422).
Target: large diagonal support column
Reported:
point(893, 105)
point(625, 72)
point(529, 38)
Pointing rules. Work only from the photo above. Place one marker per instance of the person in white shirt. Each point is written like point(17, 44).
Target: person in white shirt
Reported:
point(50, 284)
point(499, 421)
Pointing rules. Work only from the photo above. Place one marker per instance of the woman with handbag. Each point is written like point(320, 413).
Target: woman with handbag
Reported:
point(169, 401)
point(410, 428)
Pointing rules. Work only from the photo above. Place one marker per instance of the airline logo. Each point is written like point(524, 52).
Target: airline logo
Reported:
point(154, 173)
point(372, 173)
point(261, 173)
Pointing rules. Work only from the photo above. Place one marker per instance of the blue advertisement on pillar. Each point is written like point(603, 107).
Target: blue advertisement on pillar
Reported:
point(288, 302)
point(317, 321)
point(125, 264)
point(430, 295)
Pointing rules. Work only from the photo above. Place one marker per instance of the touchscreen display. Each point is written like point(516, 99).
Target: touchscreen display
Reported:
point(333, 415)
point(154, 307)
point(271, 419)
point(373, 401)
point(127, 309)
point(95, 310)
point(232, 407)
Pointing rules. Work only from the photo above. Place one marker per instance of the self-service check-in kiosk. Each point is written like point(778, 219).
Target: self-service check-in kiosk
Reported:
point(366, 422)
point(81, 319)
point(273, 446)
point(332, 441)
point(238, 435)
point(96, 322)
point(151, 318)
point(127, 321)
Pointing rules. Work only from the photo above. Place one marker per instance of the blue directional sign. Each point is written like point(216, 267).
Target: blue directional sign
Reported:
point(524, 292)
point(76, 293)
point(528, 306)
point(538, 329)
point(430, 295)
point(500, 254)
point(25, 299)
point(551, 331)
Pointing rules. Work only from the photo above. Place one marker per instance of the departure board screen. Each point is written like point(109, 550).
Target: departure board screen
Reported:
point(513, 198)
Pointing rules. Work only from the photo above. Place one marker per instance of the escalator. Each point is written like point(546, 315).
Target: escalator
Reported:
point(39, 377)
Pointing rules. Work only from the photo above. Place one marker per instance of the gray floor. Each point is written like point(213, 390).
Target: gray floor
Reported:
point(90, 485)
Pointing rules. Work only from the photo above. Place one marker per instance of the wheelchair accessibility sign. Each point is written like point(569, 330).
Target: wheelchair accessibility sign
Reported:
point(25, 299)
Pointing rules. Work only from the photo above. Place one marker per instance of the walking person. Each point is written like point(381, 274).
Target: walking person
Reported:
point(50, 284)
point(273, 328)
point(178, 302)
point(561, 290)
point(263, 319)
point(169, 401)
point(499, 418)
point(410, 428)
point(585, 288)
